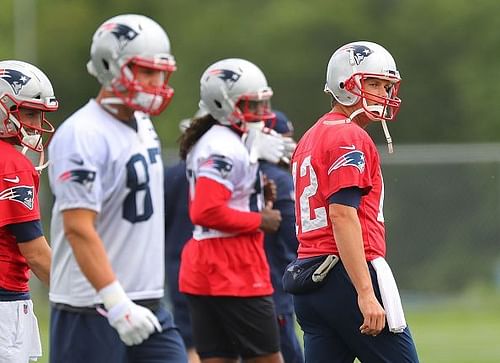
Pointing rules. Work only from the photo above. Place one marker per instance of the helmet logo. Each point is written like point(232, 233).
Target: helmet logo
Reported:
point(228, 76)
point(15, 79)
point(123, 33)
point(359, 53)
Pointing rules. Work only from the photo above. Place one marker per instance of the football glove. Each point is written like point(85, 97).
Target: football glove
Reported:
point(265, 144)
point(134, 323)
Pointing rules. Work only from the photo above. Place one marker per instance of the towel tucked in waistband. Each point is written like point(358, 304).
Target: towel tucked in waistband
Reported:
point(390, 296)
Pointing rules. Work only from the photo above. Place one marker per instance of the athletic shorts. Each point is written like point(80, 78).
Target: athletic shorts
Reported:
point(232, 327)
point(19, 335)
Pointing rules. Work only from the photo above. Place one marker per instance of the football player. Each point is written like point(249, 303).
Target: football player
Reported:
point(342, 305)
point(281, 246)
point(224, 270)
point(107, 221)
point(26, 94)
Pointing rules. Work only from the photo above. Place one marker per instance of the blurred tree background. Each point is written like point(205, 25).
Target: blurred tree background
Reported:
point(446, 51)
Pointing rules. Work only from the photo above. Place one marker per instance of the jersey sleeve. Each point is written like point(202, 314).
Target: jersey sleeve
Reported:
point(220, 168)
point(349, 162)
point(19, 196)
point(77, 162)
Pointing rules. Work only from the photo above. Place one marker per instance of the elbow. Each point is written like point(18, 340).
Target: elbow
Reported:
point(200, 216)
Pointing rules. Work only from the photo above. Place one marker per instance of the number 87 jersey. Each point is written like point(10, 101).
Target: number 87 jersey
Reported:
point(110, 167)
point(335, 154)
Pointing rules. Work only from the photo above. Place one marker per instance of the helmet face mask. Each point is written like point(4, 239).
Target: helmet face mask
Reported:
point(349, 69)
point(380, 107)
point(141, 96)
point(250, 110)
point(121, 45)
point(25, 123)
point(235, 92)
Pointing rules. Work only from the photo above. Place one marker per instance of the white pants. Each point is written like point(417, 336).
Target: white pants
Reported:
point(19, 335)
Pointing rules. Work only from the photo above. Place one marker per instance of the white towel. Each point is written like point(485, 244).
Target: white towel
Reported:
point(390, 296)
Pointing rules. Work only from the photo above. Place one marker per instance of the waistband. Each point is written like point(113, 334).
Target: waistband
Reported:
point(151, 304)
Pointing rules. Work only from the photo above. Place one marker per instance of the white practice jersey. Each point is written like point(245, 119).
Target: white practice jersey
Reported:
point(221, 156)
point(102, 164)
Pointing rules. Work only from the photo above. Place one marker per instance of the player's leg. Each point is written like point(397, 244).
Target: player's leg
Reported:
point(19, 337)
point(321, 343)
point(182, 320)
point(164, 347)
point(82, 337)
point(289, 343)
point(252, 324)
point(209, 336)
point(386, 347)
point(337, 303)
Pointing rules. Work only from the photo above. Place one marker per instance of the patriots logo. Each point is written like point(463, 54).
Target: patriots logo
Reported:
point(22, 194)
point(354, 158)
point(227, 76)
point(218, 163)
point(17, 80)
point(81, 176)
point(360, 52)
point(123, 33)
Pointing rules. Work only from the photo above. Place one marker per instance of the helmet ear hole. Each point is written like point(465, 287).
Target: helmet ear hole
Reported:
point(341, 85)
point(218, 104)
point(105, 64)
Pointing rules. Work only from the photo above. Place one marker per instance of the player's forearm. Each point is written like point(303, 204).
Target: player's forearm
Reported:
point(92, 258)
point(88, 248)
point(209, 209)
point(38, 255)
point(348, 236)
point(226, 219)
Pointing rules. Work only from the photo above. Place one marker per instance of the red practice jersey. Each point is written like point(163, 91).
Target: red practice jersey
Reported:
point(332, 155)
point(18, 203)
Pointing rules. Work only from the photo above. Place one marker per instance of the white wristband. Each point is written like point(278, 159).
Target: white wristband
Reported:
point(112, 294)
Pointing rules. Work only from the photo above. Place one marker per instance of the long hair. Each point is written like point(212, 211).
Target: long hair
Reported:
point(194, 132)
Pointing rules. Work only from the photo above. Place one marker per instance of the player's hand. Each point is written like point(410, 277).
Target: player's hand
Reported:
point(373, 315)
point(264, 144)
point(271, 219)
point(134, 323)
point(270, 192)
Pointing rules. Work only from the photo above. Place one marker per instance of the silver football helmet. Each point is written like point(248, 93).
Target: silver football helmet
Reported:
point(235, 91)
point(124, 41)
point(24, 87)
point(350, 66)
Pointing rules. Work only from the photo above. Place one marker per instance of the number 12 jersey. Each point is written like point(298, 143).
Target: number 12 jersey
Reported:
point(335, 154)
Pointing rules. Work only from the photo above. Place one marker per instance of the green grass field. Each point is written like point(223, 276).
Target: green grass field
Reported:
point(463, 329)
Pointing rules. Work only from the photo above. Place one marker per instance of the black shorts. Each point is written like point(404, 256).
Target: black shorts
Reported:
point(232, 327)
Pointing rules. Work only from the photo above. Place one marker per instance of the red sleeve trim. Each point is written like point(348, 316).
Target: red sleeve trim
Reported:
point(209, 209)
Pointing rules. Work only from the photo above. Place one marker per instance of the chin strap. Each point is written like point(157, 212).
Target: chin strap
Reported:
point(388, 137)
point(42, 164)
point(108, 103)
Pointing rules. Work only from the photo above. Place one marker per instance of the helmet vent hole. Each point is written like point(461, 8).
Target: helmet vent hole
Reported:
point(341, 85)
point(218, 104)
point(105, 63)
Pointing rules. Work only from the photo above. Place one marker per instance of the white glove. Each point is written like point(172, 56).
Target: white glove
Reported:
point(290, 146)
point(133, 322)
point(264, 144)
